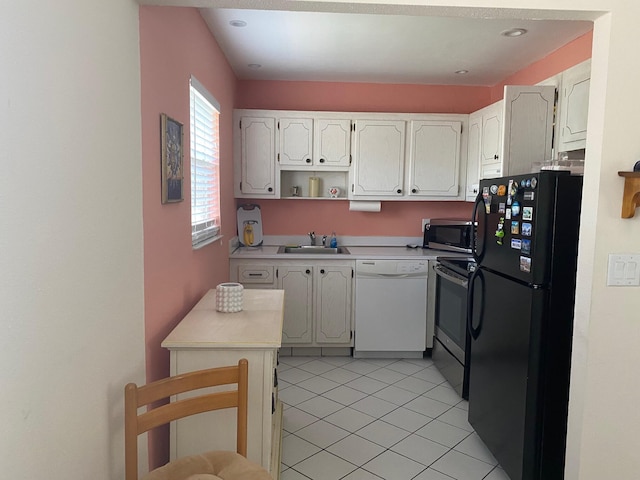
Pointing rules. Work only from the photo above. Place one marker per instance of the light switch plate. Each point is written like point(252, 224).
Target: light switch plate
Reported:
point(624, 270)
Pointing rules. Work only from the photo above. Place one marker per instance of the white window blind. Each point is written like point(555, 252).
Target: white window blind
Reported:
point(205, 163)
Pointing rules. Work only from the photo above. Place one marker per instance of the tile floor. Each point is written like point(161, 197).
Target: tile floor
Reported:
point(357, 419)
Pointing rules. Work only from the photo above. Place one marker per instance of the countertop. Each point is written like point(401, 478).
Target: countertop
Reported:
point(356, 253)
point(258, 325)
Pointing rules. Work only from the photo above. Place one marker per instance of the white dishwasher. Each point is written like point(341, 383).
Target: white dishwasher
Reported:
point(390, 308)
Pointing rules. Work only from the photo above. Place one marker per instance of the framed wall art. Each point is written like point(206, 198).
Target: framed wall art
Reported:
point(172, 167)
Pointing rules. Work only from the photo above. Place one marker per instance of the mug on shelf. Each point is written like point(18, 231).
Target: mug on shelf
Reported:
point(334, 192)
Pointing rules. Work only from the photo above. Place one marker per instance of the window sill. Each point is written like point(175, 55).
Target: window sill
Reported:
point(206, 242)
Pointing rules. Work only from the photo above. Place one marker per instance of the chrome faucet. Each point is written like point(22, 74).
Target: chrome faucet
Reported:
point(312, 237)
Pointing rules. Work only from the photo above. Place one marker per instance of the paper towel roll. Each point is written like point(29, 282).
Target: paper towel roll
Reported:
point(364, 206)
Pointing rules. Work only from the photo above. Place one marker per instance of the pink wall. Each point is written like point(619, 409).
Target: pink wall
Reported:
point(565, 57)
point(175, 43)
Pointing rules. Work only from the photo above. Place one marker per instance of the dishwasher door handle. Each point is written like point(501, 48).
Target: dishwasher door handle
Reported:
point(442, 272)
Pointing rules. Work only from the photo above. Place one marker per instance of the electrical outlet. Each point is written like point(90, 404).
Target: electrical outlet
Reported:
point(424, 222)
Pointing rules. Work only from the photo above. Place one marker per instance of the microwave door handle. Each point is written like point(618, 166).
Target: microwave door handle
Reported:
point(444, 274)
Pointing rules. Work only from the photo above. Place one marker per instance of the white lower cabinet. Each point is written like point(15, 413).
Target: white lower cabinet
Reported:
point(318, 305)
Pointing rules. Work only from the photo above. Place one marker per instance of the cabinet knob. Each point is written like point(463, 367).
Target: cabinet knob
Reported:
point(270, 189)
point(322, 271)
point(399, 191)
point(414, 190)
point(308, 160)
point(495, 157)
point(307, 271)
point(322, 160)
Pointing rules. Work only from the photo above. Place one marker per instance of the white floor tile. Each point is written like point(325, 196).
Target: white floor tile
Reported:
point(355, 449)
point(430, 374)
point(344, 395)
point(456, 417)
point(395, 395)
point(380, 362)
point(296, 449)
point(422, 362)
point(340, 375)
point(474, 447)
point(325, 466)
point(406, 419)
point(383, 433)
point(291, 474)
point(295, 419)
point(428, 406)
point(361, 367)
point(316, 367)
point(366, 384)
point(463, 404)
point(443, 433)
point(318, 384)
point(392, 466)
point(387, 376)
point(420, 449)
point(295, 375)
point(444, 393)
point(405, 367)
point(361, 474)
point(430, 474)
point(320, 407)
point(376, 407)
point(295, 361)
point(337, 361)
point(294, 395)
point(350, 419)
point(415, 385)
point(322, 434)
point(461, 466)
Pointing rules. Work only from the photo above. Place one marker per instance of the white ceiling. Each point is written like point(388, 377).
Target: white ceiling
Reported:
point(364, 47)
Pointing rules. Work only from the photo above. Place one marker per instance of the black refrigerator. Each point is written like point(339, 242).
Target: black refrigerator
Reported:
point(520, 318)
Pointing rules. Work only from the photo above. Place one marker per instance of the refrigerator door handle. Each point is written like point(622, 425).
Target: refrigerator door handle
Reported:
point(475, 332)
point(474, 239)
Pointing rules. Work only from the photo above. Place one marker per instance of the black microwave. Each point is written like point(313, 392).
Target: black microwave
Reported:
point(449, 234)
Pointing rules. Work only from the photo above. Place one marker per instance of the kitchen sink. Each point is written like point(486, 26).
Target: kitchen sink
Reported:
point(309, 249)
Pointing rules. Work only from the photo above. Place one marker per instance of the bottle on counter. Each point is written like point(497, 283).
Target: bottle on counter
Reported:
point(333, 243)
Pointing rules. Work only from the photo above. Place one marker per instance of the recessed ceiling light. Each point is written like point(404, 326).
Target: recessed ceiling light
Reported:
point(254, 66)
point(514, 32)
point(462, 72)
point(238, 23)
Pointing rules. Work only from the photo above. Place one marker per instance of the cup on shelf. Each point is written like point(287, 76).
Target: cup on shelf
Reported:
point(334, 192)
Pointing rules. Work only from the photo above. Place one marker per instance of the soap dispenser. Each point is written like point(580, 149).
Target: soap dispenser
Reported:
point(333, 243)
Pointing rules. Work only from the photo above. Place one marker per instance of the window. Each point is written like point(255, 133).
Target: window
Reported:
point(205, 166)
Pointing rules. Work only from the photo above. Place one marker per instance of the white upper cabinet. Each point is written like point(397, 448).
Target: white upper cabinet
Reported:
point(433, 167)
point(528, 127)
point(574, 107)
point(379, 153)
point(317, 143)
point(491, 136)
point(255, 155)
point(296, 141)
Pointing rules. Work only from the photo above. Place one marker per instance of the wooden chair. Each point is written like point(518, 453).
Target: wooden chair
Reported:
point(210, 465)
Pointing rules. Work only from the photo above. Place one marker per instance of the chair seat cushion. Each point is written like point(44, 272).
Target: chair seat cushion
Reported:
point(216, 465)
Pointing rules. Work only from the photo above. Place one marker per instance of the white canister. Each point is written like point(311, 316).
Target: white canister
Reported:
point(229, 297)
point(314, 186)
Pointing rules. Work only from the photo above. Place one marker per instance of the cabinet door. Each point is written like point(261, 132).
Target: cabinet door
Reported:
point(491, 140)
point(528, 127)
point(333, 304)
point(297, 282)
point(332, 145)
point(434, 158)
point(574, 107)
point(379, 158)
point(258, 156)
point(296, 140)
point(473, 156)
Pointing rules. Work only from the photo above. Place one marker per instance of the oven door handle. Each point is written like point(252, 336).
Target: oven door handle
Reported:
point(444, 273)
